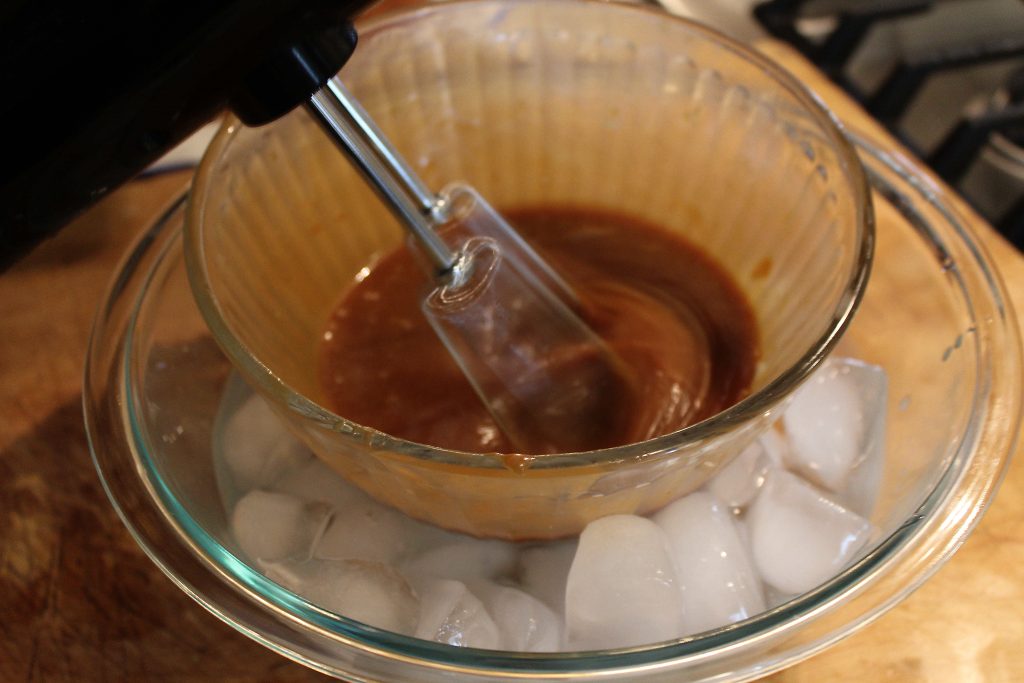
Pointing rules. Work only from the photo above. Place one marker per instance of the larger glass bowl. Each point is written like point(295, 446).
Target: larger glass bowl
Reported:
point(935, 316)
point(544, 103)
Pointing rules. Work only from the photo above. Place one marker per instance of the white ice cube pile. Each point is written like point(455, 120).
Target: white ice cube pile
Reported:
point(786, 515)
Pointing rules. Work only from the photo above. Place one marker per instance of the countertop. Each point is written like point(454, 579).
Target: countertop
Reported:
point(80, 602)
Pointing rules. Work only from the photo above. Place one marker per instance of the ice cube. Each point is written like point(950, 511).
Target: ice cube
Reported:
point(743, 531)
point(799, 537)
point(369, 592)
point(451, 614)
point(544, 569)
point(622, 588)
point(273, 526)
point(372, 531)
point(774, 597)
point(525, 623)
point(831, 419)
point(464, 559)
point(775, 447)
point(316, 481)
point(860, 491)
point(737, 483)
point(713, 567)
point(368, 532)
point(257, 449)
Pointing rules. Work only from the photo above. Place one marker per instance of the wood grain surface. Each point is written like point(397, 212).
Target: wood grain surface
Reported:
point(79, 602)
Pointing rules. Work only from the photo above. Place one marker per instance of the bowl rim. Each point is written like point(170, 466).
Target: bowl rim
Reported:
point(895, 567)
point(745, 410)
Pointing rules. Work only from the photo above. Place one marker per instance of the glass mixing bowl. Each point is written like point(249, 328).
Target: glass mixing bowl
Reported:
point(553, 103)
point(934, 316)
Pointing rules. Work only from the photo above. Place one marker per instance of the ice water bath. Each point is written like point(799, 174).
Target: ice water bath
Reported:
point(786, 515)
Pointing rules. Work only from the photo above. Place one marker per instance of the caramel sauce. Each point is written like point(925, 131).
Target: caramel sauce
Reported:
point(683, 328)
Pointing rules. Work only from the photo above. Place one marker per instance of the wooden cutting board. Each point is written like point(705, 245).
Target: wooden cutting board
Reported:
point(79, 602)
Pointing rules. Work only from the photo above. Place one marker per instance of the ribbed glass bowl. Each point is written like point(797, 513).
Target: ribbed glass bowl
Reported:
point(538, 103)
point(934, 316)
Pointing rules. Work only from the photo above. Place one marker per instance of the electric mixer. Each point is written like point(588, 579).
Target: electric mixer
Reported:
point(146, 86)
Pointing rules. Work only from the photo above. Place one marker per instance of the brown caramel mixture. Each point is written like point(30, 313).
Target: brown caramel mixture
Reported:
point(682, 327)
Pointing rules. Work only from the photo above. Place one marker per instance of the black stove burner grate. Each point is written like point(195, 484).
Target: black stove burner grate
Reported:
point(982, 137)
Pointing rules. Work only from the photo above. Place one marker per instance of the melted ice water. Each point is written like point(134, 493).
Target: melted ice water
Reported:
point(786, 515)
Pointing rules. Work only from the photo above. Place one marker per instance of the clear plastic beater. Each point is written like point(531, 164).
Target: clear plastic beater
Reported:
point(501, 311)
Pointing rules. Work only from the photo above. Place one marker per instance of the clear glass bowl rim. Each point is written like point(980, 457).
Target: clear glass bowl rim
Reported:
point(741, 412)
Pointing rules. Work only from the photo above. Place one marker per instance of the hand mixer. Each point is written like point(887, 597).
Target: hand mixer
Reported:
point(149, 73)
